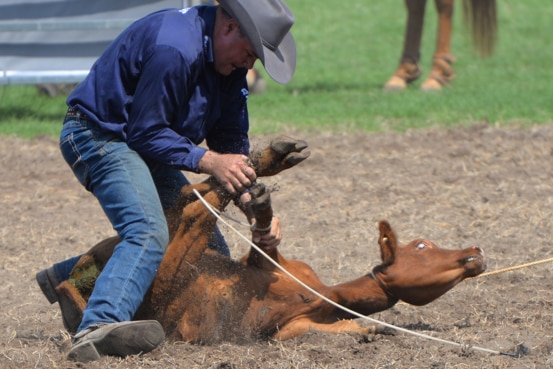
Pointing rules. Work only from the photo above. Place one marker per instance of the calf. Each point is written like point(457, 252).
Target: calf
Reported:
point(203, 297)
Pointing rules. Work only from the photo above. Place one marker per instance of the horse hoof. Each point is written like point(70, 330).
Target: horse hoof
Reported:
point(431, 85)
point(395, 84)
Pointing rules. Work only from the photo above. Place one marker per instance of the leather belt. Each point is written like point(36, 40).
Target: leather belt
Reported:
point(74, 113)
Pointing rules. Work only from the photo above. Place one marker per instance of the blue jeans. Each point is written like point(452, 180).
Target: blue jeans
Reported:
point(133, 195)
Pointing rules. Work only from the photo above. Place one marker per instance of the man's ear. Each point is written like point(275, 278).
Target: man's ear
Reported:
point(230, 25)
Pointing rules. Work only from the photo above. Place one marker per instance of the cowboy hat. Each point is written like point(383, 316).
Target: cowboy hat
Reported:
point(266, 24)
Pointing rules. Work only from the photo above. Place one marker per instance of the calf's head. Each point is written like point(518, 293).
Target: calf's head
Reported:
point(420, 271)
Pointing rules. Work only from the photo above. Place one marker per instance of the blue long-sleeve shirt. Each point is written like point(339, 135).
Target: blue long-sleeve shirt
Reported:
point(156, 88)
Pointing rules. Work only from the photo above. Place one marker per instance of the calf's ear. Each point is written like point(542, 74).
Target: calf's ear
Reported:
point(387, 242)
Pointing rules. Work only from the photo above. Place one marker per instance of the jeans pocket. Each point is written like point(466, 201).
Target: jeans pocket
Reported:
point(72, 154)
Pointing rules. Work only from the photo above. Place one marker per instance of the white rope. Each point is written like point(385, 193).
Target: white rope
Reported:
point(224, 215)
point(277, 265)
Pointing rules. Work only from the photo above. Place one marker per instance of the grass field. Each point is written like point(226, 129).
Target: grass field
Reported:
point(345, 54)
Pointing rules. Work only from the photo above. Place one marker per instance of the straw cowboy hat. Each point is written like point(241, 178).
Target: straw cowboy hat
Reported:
point(267, 25)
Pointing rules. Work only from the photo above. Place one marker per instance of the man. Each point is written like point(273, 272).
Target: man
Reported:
point(170, 81)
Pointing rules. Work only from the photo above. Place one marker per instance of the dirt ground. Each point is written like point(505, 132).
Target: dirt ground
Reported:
point(485, 186)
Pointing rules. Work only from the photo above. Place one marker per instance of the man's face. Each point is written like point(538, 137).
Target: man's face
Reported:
point(232, 50)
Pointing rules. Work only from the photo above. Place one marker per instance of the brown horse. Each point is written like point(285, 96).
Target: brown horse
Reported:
point(203, 297)
point(480, 15)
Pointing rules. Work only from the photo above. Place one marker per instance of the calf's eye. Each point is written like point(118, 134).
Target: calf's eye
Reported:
point(421, 246)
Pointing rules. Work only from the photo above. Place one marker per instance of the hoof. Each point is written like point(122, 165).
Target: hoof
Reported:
point(441, 75)
point(284, 145)
point(283, 153)
point(406, 73)
point(395, 84)
point(431, 85)
point(434, 83)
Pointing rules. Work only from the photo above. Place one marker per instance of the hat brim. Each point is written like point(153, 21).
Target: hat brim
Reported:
point(280, 63)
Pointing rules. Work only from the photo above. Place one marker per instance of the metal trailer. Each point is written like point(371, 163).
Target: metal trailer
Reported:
point(57, 41)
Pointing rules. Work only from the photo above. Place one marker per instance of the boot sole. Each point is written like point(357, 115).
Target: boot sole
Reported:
point(119, 339)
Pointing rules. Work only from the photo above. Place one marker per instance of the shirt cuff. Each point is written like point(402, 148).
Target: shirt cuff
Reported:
point(194, 157)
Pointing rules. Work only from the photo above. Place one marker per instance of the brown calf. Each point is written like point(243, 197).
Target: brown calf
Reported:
point(203, 297)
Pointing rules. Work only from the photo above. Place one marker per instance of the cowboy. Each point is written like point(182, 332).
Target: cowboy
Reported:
point(170, 81)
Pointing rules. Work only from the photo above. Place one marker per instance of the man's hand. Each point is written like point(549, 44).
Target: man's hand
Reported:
point(268, 241)
point(231, 170)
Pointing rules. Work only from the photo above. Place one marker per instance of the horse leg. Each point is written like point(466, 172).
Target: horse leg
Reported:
point(442, 70)
point(408, 69)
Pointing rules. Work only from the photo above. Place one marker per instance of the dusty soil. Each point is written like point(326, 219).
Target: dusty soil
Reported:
point(481, 185)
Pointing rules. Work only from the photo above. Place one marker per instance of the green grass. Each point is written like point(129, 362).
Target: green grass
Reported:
point(345, 54)
point(26, 113)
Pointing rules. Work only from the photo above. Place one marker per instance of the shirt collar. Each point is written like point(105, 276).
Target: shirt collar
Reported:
point(207, 13)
